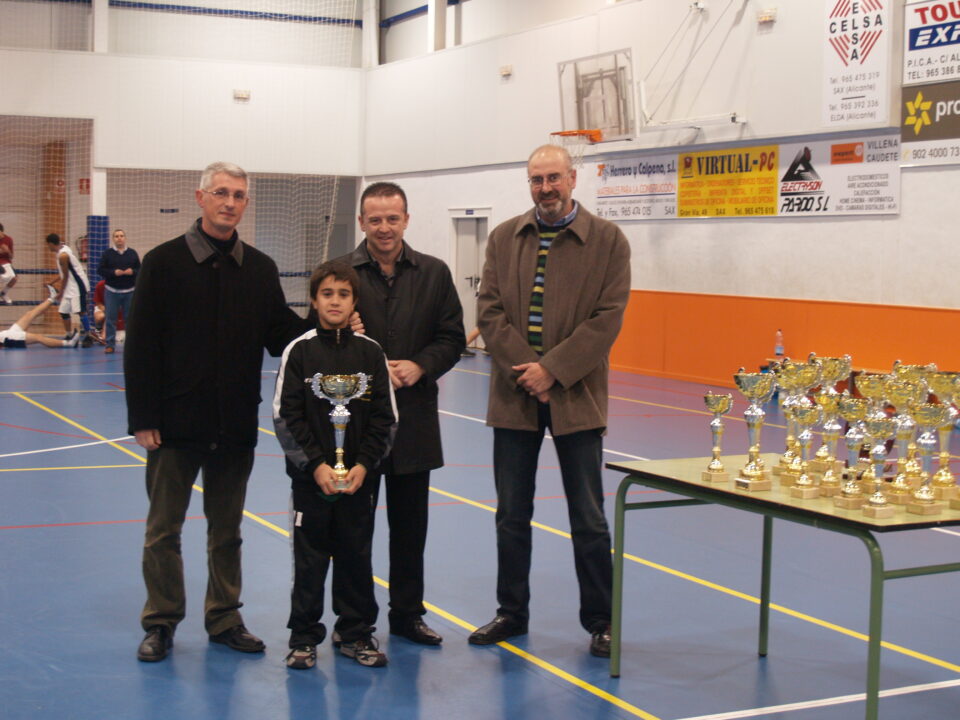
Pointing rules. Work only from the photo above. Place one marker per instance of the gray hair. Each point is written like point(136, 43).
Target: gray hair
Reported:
point(206, 180)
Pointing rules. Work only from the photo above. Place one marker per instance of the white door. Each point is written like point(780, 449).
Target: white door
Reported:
point(471, 240)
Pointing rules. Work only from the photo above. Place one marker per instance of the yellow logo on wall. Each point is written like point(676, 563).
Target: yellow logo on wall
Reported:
point(917, 115)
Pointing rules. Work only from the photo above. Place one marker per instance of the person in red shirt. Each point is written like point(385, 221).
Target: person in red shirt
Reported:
point(8, 278)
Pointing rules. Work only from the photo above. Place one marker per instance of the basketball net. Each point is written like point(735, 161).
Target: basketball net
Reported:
point(575, 142)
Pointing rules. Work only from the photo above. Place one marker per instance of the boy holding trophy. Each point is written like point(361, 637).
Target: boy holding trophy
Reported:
point(329, 451)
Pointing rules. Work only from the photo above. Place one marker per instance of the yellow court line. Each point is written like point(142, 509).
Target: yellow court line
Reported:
point(735, 593)
point(74, 467)
point(58, 392)
point(558, 672)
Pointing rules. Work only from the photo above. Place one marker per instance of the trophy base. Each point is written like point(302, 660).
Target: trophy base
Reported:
point(821, 466)
point(788, 478)
point(919, 508)
point(777, 470)
point(849, 503)
point(879, 511)
point(955, 503)
point(945, 492)
point(804, 492)
point(751, 485)
point(829, 490)
point(898, 498)
point(713, 476)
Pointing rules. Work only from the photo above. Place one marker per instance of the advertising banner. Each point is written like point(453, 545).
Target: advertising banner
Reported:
point(856, 62)
point(931, 41)
point(857, 177)
point(737, 182)
point(930, 123)
point(638, 188)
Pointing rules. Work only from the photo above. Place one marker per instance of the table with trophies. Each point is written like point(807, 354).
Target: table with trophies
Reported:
point(910, 409)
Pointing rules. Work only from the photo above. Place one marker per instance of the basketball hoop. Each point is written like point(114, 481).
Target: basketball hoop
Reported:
point(575, 142)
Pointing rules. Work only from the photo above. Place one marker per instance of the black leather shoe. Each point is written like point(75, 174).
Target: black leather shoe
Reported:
point(497, 630)
point(600, 642)
point(239, 638)
point(155, 644)
point(417, 631)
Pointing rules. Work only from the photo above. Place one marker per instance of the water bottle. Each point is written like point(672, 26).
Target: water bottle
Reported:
point(778, 343)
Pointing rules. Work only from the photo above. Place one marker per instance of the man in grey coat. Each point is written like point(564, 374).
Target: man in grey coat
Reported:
point(555, 284)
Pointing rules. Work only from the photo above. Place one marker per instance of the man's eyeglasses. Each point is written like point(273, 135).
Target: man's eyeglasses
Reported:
point(222, 194)
point(551, 179)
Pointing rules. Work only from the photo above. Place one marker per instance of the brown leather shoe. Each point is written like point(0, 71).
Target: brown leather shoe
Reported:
point(239, 638)
point(497, 630)
point(417, 631)
point(155, 645)
point(108, 351)
point(600, 642)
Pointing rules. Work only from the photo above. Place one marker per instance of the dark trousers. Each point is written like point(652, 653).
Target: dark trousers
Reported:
point(341, 529)
point(171, 473)
point(407, 517)
point(515, 456)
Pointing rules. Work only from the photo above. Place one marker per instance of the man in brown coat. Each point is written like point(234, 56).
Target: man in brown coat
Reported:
point(555, 284)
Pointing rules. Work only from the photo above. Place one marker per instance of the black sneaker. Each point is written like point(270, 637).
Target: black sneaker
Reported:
point(365, 651)
point(87, 341)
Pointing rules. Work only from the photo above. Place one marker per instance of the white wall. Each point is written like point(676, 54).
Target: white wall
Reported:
point(162, 113)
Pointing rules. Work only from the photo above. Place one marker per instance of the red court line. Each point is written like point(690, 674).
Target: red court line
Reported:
point(49, 432)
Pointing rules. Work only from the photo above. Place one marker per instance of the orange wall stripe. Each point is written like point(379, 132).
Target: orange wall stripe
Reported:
point(707, 338)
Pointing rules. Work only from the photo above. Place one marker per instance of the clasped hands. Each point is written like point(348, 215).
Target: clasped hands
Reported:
point(535, 379)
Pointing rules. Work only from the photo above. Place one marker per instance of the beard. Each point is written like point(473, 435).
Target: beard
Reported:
point(550, 205)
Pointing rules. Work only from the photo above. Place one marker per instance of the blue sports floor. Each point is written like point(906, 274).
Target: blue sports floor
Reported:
point(72, 507)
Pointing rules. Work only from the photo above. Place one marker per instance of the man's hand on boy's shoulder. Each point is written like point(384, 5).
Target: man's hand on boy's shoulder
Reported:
point(356, 323)
point(355, 478)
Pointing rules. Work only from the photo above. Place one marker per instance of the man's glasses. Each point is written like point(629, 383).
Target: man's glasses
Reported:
point(223, 194)
point(540, 180)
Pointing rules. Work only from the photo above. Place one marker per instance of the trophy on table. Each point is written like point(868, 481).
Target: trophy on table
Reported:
point(917, 373)
point(873, 386)
point(798, 379)
point(806, 417)
point(853, 410)
point(719, 405)
point(905, 394)
point(757, 388)
point(879, 430)
point(929, 417)
point(945, 386)
point(832, 371)
point(339, 390)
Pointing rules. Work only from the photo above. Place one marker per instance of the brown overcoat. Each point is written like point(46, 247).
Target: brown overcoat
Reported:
point(587, 285)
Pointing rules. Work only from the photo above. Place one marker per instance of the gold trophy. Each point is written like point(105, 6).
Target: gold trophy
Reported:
point(873, 386)
point(797, 379)
point(757, 388)
point(832, 467)
point(944, 386)
point(916, 373)
point(929, 417)
point(719, 405)
point(806, 417)
point(879, 429)
point(339, 390)
point(832, 371)
point(904, 395)
point(853, 410)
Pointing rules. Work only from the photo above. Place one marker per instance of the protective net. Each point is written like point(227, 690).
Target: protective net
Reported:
point(46, 164)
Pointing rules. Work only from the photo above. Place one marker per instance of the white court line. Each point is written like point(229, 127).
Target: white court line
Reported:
point(946, 531)
point(547, 435)
point(825, 702)
point(67, 447)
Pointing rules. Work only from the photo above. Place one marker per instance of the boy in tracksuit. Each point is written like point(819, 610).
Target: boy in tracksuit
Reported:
point(328, 520)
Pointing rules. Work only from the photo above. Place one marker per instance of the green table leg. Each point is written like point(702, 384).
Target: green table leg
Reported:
point(616, 621)
point(765, 585)
point(877, 578)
